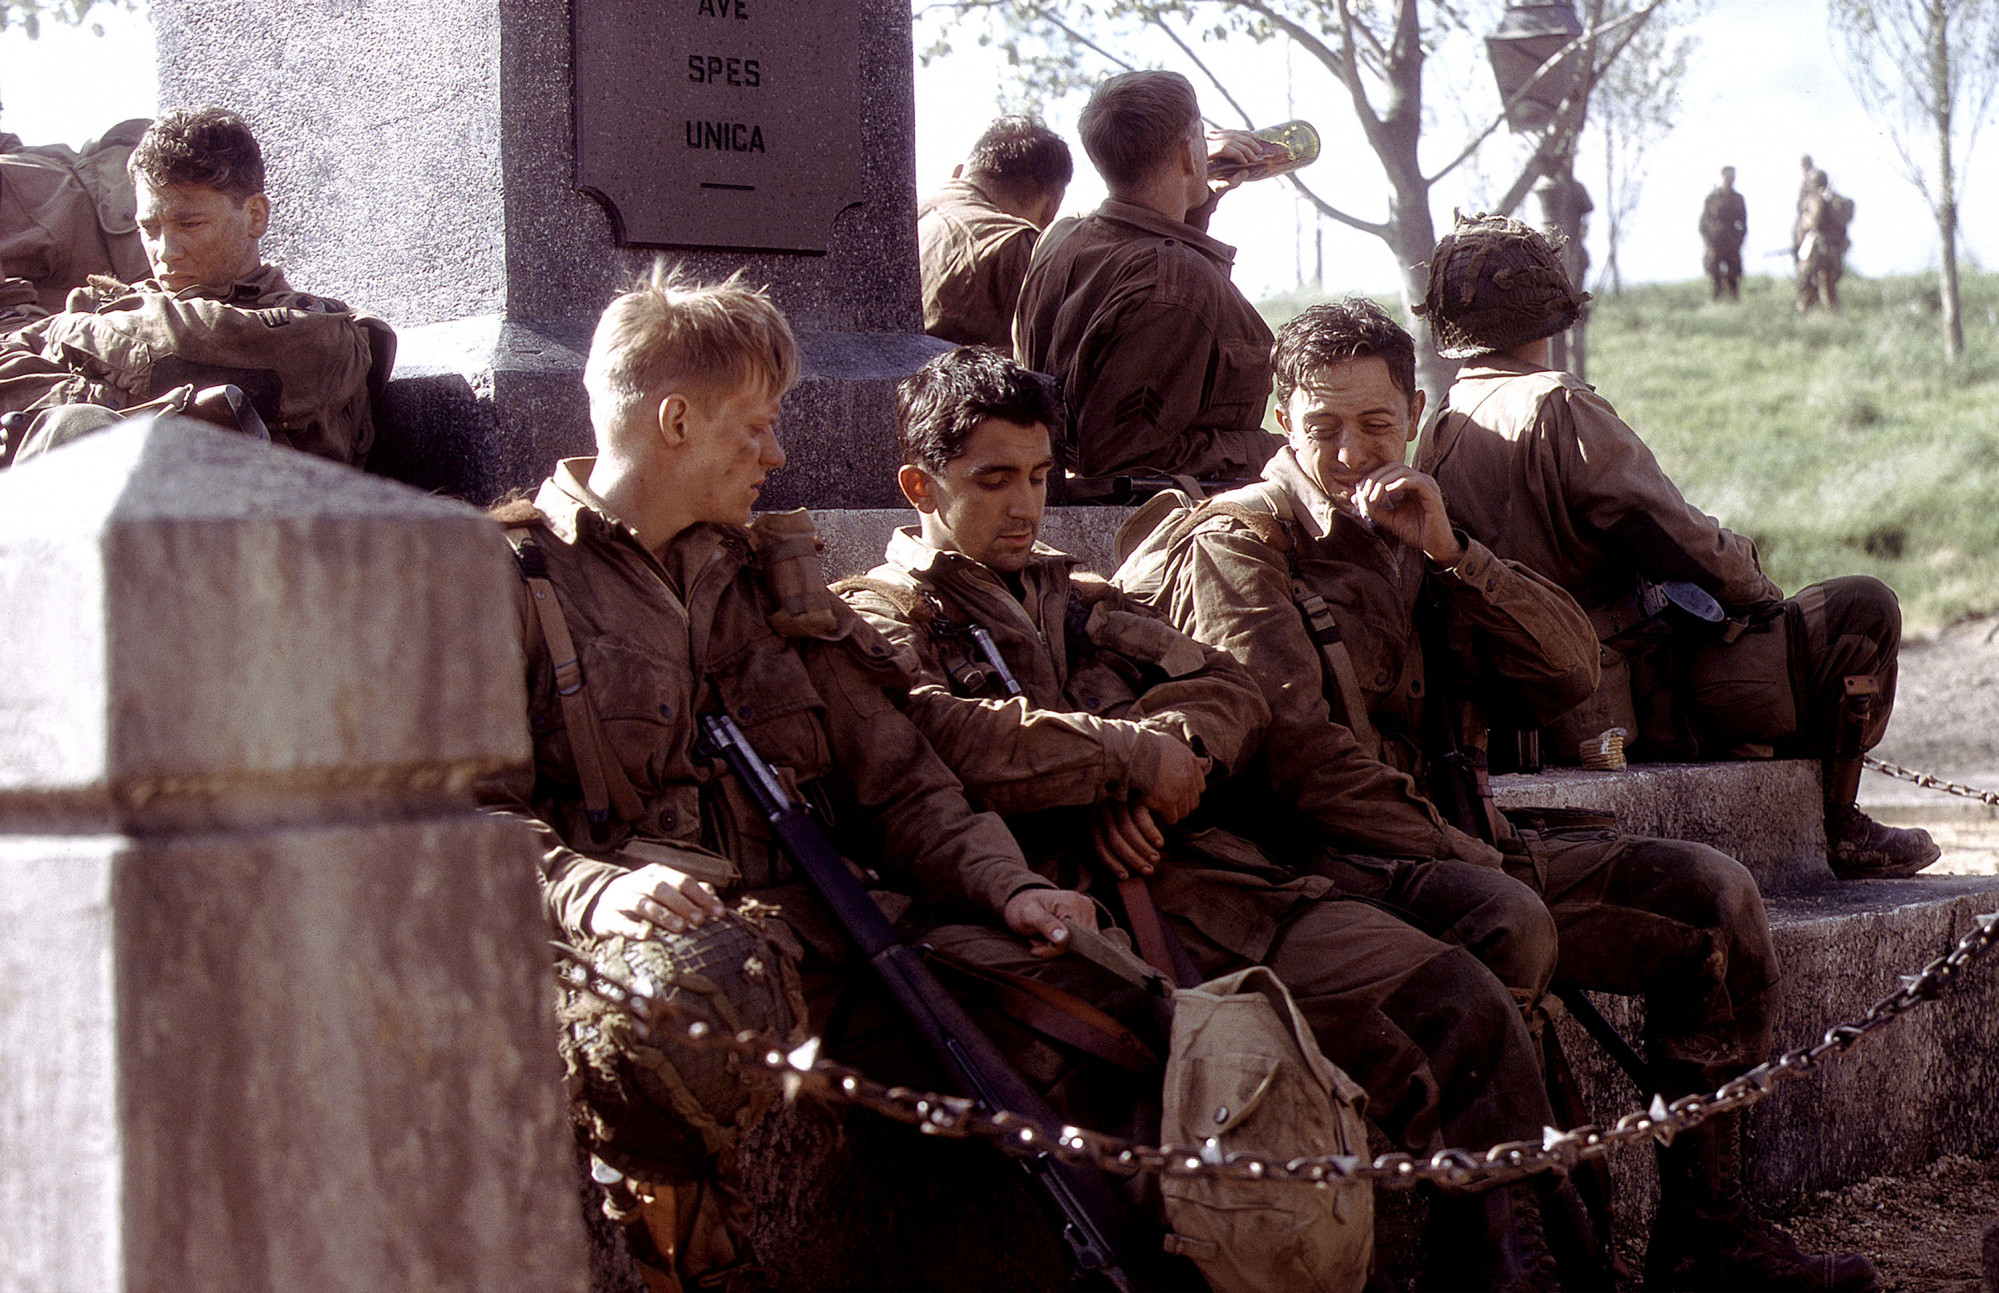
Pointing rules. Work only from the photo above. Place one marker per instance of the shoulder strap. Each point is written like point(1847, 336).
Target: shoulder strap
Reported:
point(1325, 632)
point(1269, 528)
point(605, 786)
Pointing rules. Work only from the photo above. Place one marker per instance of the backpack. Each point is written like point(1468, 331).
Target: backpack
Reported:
point(1246, 1074)
point(66, 215)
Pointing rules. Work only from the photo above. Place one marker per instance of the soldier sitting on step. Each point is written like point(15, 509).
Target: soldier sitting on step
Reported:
point(1425, 632)
point(1703, 656)
point(652, 599)
point(216, 333)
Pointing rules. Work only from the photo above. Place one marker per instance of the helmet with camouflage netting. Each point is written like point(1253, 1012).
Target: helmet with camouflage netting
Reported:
point(1496, 283)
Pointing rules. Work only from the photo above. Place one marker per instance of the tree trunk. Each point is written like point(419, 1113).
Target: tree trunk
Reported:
point(1941, 97)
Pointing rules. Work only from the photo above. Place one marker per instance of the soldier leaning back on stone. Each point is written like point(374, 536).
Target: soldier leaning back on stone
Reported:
point(1537, 465)
point(213, 316)
point(1339, 515)
point(647, 583)
point(1164, 364)
point(976, 234)
point(1120, 722)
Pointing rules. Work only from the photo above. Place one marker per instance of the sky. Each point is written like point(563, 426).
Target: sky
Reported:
point(1764, 85)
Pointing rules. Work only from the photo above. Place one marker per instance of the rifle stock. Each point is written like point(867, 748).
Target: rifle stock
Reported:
point(1105, 1237)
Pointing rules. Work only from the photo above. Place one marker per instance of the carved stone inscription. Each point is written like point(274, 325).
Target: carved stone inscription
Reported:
point(719, 123)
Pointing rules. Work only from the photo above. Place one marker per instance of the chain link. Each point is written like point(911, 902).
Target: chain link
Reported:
point(1930, 781)
point(801, 1071)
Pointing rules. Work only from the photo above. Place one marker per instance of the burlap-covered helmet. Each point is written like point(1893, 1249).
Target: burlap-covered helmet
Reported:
point(1496, 283)
point(660, 1111)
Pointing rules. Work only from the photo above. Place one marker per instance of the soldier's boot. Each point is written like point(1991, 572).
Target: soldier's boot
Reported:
point(1493, 1241)
point(1707, 1236)
point(1857, 846)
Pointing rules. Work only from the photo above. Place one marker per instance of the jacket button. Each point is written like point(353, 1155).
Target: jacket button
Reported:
point(742, 711)
point(666, 711)
point(666, 821)
point(1381, 679)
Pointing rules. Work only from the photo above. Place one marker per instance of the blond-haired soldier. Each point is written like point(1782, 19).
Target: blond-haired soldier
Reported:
point(653, 598)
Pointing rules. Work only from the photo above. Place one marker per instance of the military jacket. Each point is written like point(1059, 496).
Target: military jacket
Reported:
point(974, 256)
point(723, 621)
point(304, 361)
point(1520, 641)
point(1724, 220)
point(1103, 679)
point(1537, 466)
point(1164, 363)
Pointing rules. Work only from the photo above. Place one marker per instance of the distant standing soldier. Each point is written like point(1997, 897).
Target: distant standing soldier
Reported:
point(978, 231)
point(1806, 187)
point(1724, 225)
point(1822, 244)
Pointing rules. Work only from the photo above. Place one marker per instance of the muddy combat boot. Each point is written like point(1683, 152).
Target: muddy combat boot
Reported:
point(1860, 848)
point(1707, 1239)
point(1491, 1241)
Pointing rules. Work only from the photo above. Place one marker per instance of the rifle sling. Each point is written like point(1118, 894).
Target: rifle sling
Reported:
point(1056, 1014)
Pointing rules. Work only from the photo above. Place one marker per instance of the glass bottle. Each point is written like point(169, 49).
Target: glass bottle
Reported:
point(1298, 141)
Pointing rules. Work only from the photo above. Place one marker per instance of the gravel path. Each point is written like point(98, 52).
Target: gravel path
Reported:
point(1946, 722)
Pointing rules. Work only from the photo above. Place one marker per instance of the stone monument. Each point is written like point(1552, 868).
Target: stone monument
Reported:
point(486, 174)
point(273, 994)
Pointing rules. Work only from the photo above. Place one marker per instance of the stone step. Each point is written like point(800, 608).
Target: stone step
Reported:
point(1765, 813)
point(1915, 1090)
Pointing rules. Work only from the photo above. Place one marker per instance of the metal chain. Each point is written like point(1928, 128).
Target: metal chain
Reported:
point(1930, 781)
point(802, 1071)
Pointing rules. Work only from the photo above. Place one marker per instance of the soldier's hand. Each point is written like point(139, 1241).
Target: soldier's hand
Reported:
point(1126, 837)
point(1176, 788)
point(1043, 917)
point(1407, 504)
point(1233, 155)
point(653, 895)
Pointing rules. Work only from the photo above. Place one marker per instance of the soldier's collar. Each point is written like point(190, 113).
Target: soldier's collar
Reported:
point(1311, 507)
point(1164, 226)
point(908, 551)
point(570, 505)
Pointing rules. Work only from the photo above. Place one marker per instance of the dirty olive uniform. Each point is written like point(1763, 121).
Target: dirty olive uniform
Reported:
point(304, 361)
point(1420, 1024)
point(1539, 467)
point(1679, 923)
point(974, 256)
point(1724, 225)
point(1822, 244)
point(1164, 364)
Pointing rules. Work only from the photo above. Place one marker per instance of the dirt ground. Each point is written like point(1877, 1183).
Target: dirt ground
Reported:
point(1925, 1231)
point(1946, 722)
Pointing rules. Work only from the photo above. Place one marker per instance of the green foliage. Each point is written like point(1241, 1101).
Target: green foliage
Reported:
point(28, 14)
point(1843, 444)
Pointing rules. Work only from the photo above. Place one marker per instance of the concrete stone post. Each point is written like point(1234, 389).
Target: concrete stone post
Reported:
point(423, 165)
point(273, 997)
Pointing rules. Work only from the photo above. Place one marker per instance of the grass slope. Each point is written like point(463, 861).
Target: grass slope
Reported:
point(1843, 444)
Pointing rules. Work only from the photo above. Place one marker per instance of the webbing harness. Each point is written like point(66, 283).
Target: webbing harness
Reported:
point(605, 786)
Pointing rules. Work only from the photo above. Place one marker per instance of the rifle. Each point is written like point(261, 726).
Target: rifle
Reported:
point(1455, 784)
point(1104, 1237)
